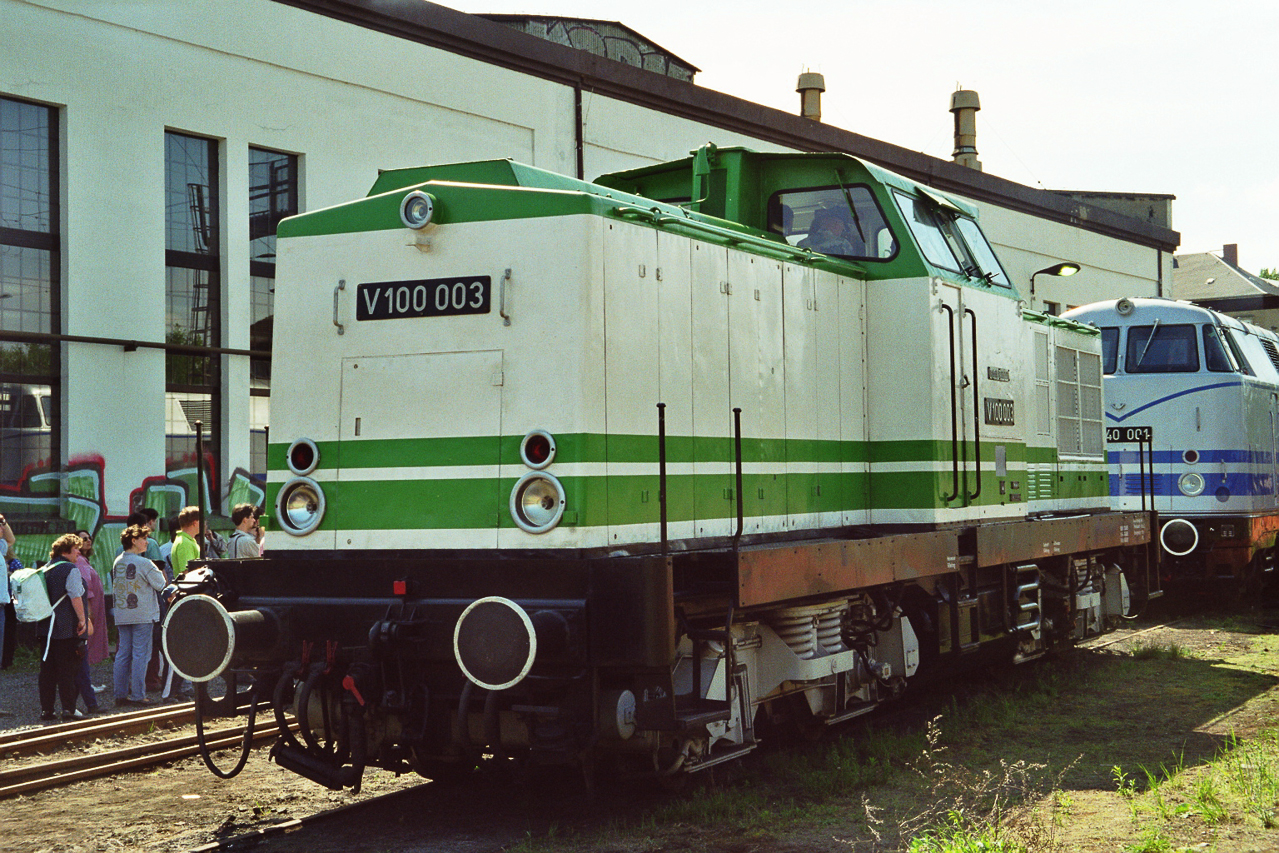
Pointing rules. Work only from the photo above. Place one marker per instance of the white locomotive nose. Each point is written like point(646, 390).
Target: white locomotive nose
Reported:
point(1179, 537)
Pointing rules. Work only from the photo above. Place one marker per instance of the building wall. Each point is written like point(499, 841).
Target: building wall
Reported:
point(1110, 268)
point(349, 101)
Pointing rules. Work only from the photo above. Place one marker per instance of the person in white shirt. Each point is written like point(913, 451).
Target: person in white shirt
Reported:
point(244, 541)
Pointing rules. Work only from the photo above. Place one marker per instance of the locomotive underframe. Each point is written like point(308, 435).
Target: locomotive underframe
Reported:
point(666, 663)
point(1238, 547)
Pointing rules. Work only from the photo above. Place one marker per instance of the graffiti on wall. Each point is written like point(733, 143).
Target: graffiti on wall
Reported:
point(63, 500)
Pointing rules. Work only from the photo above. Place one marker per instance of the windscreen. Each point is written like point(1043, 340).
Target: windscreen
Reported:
point(1162, 349)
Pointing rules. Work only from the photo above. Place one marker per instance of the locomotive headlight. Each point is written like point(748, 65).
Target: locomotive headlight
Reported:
point(537, 502)
point(1191, 484)
point(416, 209)
point(537, 450)
point(300, 506)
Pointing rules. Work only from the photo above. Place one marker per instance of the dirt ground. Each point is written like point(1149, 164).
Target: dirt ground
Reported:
point(1224, 684)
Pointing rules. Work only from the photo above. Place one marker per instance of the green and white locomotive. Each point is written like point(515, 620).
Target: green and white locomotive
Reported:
point(636, 470)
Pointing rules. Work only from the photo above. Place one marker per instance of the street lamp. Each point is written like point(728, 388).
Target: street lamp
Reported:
point(1065, 268)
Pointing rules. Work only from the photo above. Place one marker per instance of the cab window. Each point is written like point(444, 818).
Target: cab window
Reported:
point(1216, 358)
point(1109, 349)
point(841, 221)
point(1231, 337)
point(987, 263)
point(1162, 349)
point(926, 225)
point(949, 239)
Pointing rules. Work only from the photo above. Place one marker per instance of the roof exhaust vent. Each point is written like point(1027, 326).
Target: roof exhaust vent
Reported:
point(965, 104)
point(810, 88)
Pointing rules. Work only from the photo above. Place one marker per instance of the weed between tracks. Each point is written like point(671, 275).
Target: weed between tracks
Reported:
point(1239, 786)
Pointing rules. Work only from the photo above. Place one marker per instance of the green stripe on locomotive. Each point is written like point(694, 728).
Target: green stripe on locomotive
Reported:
point(893, 480)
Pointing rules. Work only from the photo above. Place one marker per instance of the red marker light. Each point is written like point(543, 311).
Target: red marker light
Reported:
point(400, 587)
point(537, 449)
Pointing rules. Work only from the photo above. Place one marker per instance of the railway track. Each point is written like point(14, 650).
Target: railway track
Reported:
point(1111, 639)
point(22, 777)
point(29, 776)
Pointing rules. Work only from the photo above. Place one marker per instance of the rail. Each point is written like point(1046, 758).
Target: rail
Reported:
point(977, 413)
point(26, 777)
point(954, 410)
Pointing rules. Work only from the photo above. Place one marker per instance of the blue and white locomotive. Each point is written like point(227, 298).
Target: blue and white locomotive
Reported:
point(1200, 390)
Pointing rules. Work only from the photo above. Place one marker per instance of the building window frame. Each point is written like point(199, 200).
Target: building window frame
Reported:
point(193, 290)
point(274, 193)
point(31, 192)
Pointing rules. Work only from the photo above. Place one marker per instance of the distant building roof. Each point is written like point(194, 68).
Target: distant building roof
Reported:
point(1155, 208)
point(487, 39)
point(1205, 275)
point(611, 39)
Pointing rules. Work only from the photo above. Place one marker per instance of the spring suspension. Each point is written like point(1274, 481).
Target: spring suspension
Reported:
point(812, 631)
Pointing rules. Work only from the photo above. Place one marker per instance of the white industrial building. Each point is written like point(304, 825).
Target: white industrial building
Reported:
point(148, 149)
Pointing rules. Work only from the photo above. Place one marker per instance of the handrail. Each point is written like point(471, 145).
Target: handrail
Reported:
point(954, 410)
point(661, 472)
point(737, 445)
point(127, 345)
point(660, 219)
point(977, 412)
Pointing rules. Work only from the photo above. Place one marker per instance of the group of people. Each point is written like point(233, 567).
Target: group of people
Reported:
point(75, 637)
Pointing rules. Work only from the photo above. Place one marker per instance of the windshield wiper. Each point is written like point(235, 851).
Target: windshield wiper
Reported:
point(1149, 340)
point(852, 208)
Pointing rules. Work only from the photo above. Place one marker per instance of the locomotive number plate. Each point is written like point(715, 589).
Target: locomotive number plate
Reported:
point(428, 297)
point(1128, 435)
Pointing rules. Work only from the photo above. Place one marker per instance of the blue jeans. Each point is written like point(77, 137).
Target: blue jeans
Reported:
point(131, 659)
point(84, 684)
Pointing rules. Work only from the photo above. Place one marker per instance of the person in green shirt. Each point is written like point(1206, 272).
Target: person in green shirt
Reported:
point(185, 547)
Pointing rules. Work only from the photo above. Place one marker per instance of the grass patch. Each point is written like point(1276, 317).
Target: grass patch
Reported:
point(1158, 651)
point(1012, 760)
point(1237, 787)
point(26, 658)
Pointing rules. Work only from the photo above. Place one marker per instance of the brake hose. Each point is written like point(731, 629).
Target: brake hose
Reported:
point(201, 695)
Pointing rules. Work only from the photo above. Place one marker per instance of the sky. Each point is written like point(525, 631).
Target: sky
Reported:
point(1140, 96)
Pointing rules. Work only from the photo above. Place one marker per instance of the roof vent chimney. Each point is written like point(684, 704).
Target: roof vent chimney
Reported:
point(965, 104)
point(1230, 254)
point(810, 88)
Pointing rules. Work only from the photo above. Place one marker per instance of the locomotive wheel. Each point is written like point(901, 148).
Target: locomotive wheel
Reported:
point(808, 727)
point(1249, 581)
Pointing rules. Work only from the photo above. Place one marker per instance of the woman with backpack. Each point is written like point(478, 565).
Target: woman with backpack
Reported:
point(60, 664)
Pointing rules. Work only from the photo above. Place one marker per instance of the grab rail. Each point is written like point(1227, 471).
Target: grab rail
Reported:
point(737, 450)
point(661, 472)
point(954, 410)
point(976, 414)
